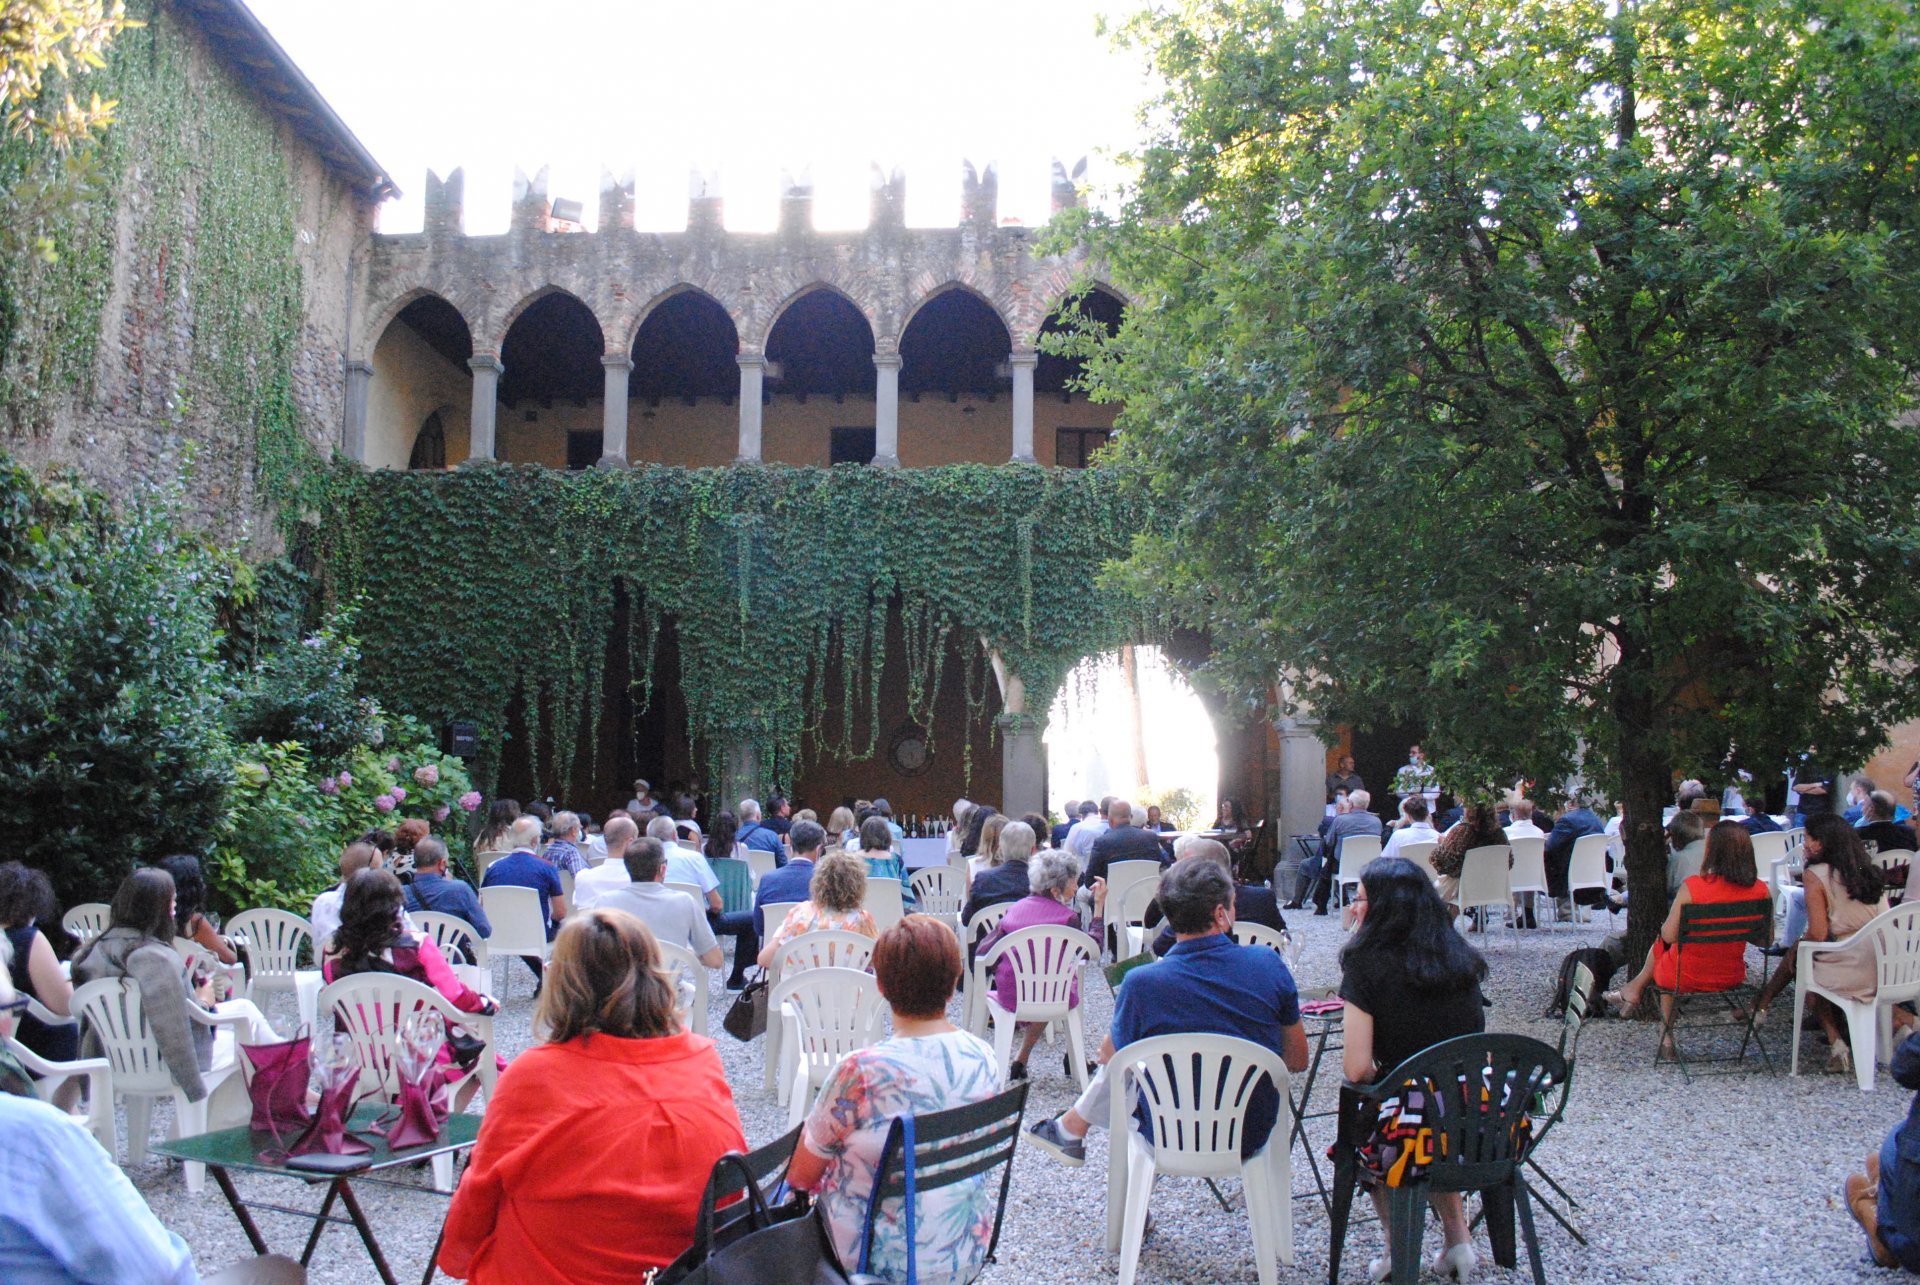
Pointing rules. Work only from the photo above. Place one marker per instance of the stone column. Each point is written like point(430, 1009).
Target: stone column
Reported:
point(353, 433)
point(1303, 782)
point(613, 419)
point(886, 410)
point(753, 370)
point(1023, 766)
point(1023, 364)
point(486, 404)
point(741, 777)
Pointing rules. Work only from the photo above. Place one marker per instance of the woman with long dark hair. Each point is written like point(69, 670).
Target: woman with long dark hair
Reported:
point(501, 813)
point(1409, 981)
point(190, 907)
point(371, 939)
point(26, 902)
point(723, 838)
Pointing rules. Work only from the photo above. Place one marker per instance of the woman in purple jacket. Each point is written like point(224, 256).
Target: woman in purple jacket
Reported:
point(1053, 876)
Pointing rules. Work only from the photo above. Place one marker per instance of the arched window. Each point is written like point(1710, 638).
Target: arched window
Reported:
point(429, 445)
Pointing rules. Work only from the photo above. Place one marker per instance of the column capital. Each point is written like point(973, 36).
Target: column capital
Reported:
point(887, 360)
point(753, 360)
point(357, 367)
point(485, 362)
point(1023, 357)
point(617, 361)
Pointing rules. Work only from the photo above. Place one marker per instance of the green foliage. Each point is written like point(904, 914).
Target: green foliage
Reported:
point(308, 692)
point(111, 745)
point(482, 582)
point(1556, 355)
point(1179, 806)
point(43, 41)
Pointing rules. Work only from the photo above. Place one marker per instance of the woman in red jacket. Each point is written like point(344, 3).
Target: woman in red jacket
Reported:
point(597, 1145)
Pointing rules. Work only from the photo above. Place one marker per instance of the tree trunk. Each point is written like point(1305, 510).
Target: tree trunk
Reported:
point(1136, 723)
point(1646, 781)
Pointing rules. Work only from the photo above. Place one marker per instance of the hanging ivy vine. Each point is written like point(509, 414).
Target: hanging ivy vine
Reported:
point(483, 584)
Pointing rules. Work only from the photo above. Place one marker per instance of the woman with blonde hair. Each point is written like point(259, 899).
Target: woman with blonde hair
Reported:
point(840, 828)
point(836, 899)
point(987, 855)
point(621, 1111)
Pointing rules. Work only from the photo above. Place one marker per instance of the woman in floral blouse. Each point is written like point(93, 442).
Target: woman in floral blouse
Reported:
point(835, 899)
point(928, 1065)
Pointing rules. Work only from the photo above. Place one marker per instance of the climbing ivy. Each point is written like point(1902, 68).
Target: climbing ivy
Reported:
point(486, 583)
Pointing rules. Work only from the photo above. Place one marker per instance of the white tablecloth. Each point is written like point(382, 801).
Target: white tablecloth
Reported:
point(920, 853)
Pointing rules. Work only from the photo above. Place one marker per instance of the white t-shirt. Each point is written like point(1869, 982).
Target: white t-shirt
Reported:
point(1412, 832)
point(590, 886)
point(671, 915)
point(1525, 830)
point(687, 866)
point(326, 916)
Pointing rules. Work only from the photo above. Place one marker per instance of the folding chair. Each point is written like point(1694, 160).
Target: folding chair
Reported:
point(1719, 923)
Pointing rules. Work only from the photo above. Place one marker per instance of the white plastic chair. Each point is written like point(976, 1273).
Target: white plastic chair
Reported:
point(1195, 1090)
point(977, 929)
point(822, 948)
point(1769, 848)
point(190, 950)
point(1122, 875)
point(451, 933)
point(112, 1010)
point(275, 939)
point(688, 965)
point(1357, 852)
point(1129, 917)
point(87, 920)
point(885, 902)
point(1483, 882)
point(1892, 939)
point(1047, 962)
point(373, 1008)
point(1252, 934)
point(1587, 869)
point(692, 890)
point(96, 1071)
point(566, 886)
point(518, 926)
point(941, 892)
point(1529, 872)
point(1421, 854)
point(761, 863)
point(826, 1014)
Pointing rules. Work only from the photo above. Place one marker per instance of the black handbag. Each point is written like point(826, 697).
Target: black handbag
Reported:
point(752, 1243)
point(746, 1020)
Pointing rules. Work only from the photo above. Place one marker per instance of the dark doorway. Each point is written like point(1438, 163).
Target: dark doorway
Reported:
point(1377, 755)
point(852, 446)
point(583, 450)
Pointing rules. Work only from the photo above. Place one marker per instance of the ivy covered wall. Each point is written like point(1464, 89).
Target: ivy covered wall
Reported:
point(483, 584)
point(195, 304)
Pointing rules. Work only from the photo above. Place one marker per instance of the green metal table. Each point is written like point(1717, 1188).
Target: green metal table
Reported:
point(248, 1152)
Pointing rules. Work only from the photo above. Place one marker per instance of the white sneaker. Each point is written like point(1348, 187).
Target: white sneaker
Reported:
point(1457, 1261)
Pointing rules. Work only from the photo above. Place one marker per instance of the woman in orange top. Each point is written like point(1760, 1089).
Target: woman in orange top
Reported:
point(596, 1147)
point(1727, 873)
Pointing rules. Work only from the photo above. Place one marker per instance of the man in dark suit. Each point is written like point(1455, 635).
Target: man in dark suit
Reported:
point(1123, 841)
point(791, 881)
point(1575, 820)
point(1004, 882)
point(1252, 904)
point(1058, 838)
point(1878, 826)
point(1317, 872)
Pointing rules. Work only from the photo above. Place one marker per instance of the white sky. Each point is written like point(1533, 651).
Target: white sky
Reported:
point(748, 88)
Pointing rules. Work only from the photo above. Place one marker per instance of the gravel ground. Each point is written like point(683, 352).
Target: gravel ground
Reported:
point(1678, 1181)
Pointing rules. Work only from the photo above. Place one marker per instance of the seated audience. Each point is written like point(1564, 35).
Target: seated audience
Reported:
point(792, 882)
point(1844, 891)
point(1057, 835)
point(1413, 827)
point(1885, 1200)
point(986, 846)
point(591, 885)
point(876, 849)
point(523, 867)
point(1878, 826)
point(1522, 826)
point(1756, 820)
point(672, 917)
point(1052, 880)
point(493, 838)
point(1686, 848)
point(1726, 875)
point(596, 1147)
point(1125, 840)
point(756, 834)
point(1093, 824)
point(1410, 982)
point(1574, 821)
point(406, 838)
point(927, 1065)
point(325, 914)
point(884, 810)
point(435, 890)
point(372, 939)
point(26, 899)
point(563, 849)
point(835, 899)
point(1317, 872)
point(1041, 830)
point(138, 946)
point(190, 907)
point(1007, 881)
point(684, 865)
point(1252, 903)
point(1207, 985)
point(842, 829)
point(778, 813)
point(1478, 827)
point(962, 815)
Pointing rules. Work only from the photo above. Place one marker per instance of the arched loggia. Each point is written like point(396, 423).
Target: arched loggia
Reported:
point(420, 376)
point(1080, 426)
point(820, 383)
point(685, 372)
point(551, 389)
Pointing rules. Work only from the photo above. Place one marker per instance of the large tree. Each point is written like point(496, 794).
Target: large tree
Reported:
point(1536, 370)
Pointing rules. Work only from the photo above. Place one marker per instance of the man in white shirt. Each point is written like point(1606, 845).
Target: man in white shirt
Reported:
point(591, 885)
point(673, 916)
point(1522, 826)
point(325, 916)
point(1093, 824)
point(1414, 827)
point(684, 865)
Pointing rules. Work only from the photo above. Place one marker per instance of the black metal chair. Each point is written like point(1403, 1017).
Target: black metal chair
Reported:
point(1749, 923)
point(1485, 1088)
point(953, 1146)
point(1553, 1104)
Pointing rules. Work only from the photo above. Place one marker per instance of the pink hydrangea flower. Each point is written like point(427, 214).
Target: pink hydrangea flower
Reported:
point(428, 775)
point(470, 800)
point(440, 813)
point(329, 786)
point(393, 764)
point(399, 794)
point(346, 780)
point(383, 802)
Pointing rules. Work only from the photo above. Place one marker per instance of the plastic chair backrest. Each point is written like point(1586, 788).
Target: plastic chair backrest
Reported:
point(1896, 944)
point(984, 921)
point(1587, 867)
point(824, 948)
point(884, 901)
point(1046, 964)
point(111, 1009)
point(452, 934)
point(776, 913)
point(941, 890)
point(1122, 875)
point(953, 1146)
point(1195, 1090)
point(691, 890)
point(1134, 902)
point(1529, 865)
point(275, 942)
point(373, 1008)
point(1421, 854)
point(518, 926)
point(1488, 1084)
point(683, 961)
point(736, 883)
point(1246, 933)
point(1357, 852)
point(566, 885)
point(1770, 847)
point(1483, 876)
point(87, 920)
point(761, 863)
point(838, 1010)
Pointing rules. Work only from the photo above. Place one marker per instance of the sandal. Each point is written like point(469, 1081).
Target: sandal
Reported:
point(1840, 1060)
point(1616, 1001)
point(1667, 1053)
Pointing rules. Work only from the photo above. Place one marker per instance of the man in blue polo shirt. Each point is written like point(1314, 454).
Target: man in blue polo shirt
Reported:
point(758, 835)
point(1207, 985)
point(524, 867)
